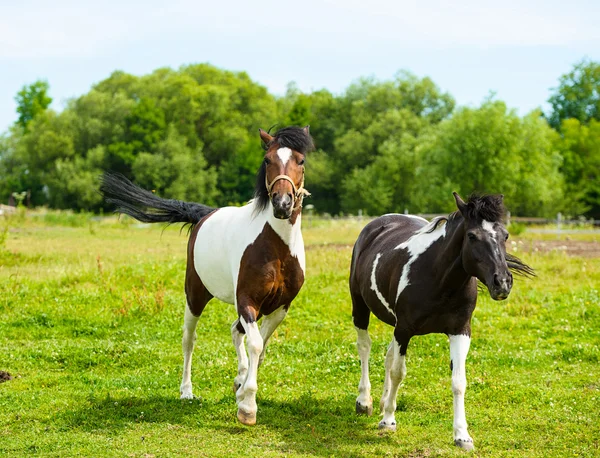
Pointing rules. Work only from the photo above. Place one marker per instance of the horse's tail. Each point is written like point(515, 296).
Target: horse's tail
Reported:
point(147, 207)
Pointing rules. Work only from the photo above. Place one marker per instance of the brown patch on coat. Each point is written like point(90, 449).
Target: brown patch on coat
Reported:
point(269, 276)
point(196, 293)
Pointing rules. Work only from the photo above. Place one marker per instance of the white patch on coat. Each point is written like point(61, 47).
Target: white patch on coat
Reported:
point(416, 245)
point(223, 238)
point(284, 154)
point(374, 285)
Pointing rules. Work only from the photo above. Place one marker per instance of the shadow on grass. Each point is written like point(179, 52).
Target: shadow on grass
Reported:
point(320, 426)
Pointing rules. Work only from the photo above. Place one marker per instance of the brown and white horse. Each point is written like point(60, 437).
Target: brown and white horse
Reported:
point(421, 277)
point(250, 256)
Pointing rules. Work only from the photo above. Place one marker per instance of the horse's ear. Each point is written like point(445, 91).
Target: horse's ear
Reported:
point(265, 137)
point(462, 206)
point(306, 130)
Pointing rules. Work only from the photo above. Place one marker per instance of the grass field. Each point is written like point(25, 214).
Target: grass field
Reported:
point(90, 327)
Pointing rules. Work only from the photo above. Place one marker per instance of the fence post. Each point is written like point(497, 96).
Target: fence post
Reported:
point(507, 218)
point(559, 218)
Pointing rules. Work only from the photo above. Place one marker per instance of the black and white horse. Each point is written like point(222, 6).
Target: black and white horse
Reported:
point(421, 277)
point(250, 256)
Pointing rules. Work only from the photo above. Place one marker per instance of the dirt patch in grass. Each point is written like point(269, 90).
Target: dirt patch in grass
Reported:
point(583, 248)
point(5, 376)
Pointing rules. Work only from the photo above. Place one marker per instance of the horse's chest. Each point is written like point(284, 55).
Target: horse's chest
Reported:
point(270, 275)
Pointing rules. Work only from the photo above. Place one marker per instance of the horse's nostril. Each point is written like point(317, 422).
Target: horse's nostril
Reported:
point(496, 280)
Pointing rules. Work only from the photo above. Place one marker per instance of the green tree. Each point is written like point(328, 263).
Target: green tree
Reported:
point(31, 101)
point(577, 95)
point(491, 150)
point(580, 148)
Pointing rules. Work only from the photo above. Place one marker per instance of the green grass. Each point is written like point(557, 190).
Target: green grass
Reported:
point(91, 316)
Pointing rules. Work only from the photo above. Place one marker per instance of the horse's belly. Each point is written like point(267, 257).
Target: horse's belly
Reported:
point(215, 270)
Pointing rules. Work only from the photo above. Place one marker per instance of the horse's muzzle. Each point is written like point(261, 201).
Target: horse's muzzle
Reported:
point(282, 205)
point(501, 286)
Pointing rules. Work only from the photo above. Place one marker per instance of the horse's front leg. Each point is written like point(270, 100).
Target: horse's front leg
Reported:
point(237, 336)
point(459, 347)
point(268, 326)
point(246, 394)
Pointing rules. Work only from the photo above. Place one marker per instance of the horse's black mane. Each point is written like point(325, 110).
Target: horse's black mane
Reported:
point(488, 207)
point(291, 137)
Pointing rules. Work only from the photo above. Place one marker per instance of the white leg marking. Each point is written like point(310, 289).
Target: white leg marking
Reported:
point(364, 401)
point(459, 347)
point(284, 154)
point(238, 342)
point(396, 373)
point(246, 395)
point(417, 245)
point(389, 358)
point(268, 326)
point(189, 338)
point(374, 285)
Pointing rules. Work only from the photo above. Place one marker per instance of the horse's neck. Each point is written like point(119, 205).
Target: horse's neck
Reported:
point(453, 275)
point(288, 229)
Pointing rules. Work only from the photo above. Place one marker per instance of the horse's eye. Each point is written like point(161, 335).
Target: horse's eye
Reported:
point(301, 162)
point(506, 237)
point(471, 236)
point(267, 161)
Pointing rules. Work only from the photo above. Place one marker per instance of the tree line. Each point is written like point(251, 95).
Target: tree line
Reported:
point(382, 146)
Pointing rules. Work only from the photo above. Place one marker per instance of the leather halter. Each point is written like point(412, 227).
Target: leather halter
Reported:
point(298, 194)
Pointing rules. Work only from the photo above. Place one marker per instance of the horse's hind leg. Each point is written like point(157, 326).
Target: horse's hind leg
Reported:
point(361, 315)
point(395, 373)
point(197, 298)
point(189, 338)
point(389, 359)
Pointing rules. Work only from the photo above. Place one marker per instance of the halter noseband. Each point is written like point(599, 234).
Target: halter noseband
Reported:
point(298, 194)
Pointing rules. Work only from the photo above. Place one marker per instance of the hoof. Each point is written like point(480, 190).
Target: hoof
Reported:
point(465, 444)
point(246, 418)
point(186, 395)
point(387, 426)
point(364, 410)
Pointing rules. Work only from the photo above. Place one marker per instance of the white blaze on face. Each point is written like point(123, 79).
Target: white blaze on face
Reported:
point(416, 246)
point(284, 154)
point(489, 228)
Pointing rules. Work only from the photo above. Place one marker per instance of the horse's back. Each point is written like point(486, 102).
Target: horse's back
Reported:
point(386, 232)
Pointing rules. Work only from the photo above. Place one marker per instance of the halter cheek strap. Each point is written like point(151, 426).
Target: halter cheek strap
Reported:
point(298, 194)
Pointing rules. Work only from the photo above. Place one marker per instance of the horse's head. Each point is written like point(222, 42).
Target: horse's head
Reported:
point(484, 251)
point(283, 168)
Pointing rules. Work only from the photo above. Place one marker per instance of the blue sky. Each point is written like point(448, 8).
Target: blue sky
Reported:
point(517, 49)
